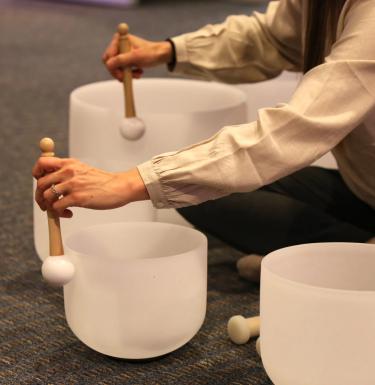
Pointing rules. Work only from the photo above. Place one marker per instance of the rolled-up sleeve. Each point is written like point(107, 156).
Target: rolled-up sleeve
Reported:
point(331, 100)
point(244, 48)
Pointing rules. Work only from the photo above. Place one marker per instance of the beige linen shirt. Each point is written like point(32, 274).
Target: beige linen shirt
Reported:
point(332, 108)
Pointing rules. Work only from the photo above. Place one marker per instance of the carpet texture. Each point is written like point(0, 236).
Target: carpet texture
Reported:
point(47, 50)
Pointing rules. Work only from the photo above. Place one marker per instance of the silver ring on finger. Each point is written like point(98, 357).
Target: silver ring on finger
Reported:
point(57, 194)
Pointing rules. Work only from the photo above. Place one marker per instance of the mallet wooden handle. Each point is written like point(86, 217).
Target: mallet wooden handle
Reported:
point(254, 325)
point(55, 241)
point(124, 47)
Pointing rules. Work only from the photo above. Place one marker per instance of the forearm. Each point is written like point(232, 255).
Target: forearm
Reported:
point(284, 139)
point(76, 184)
point(243, 48)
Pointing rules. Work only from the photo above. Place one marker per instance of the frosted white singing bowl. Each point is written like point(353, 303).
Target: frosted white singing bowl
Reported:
point(138, 289)
point(317, 308)
point(176, 112)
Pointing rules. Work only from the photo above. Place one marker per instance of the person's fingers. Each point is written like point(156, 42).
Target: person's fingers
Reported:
point(55, 192)
point(45, 200)
point(112, 49)
point(137, 73)
point(48, 180)
point(40, 200)
point(70, 200)
point(123, 60)
point(49, 196)
point(118, 74)
point(66, 214)
point(113, 64)
point(45, 165)
point(43, 206)
point(48, 171)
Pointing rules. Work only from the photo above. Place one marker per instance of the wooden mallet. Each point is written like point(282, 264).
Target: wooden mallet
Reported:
point(56, 269)
point(257, 346)
point(241, 329)
point(131, 128)
point(47, 147)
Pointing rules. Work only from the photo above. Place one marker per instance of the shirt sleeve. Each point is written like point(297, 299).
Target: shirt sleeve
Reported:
point(244, 48)
point(331, 100)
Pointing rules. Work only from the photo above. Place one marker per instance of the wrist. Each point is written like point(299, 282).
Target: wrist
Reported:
point(165, 52)
point(134, 187)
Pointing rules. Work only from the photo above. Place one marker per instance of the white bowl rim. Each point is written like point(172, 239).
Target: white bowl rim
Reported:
point(198, 234)
point(315, 288)
point(75, 94)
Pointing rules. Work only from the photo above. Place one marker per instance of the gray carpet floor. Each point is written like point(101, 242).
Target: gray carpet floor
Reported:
point(46, 50)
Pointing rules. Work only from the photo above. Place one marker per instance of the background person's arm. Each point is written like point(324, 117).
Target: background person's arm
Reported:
point(244, 48)
point(331, 100)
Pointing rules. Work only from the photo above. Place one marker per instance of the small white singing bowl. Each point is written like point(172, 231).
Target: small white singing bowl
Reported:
point(138, 289)
point(317, 309)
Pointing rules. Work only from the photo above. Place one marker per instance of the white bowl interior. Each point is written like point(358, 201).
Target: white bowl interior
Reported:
point(134, 240)
point(160, 96)
point(342, 266)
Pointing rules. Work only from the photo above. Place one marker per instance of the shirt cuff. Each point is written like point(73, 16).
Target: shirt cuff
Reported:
point(172, 63)
point(181, 51)
point(153, 185)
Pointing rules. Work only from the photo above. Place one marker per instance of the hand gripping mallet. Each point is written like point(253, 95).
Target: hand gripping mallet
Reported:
point(241, 329)
point(56, 269)
point(131, 128)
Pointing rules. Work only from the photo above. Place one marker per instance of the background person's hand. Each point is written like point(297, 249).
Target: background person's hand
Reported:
point(81, 185)
point(144, 53)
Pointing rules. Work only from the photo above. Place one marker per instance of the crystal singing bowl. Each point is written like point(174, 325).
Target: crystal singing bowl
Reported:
point(135, 290)
point(317, 307)
point(176, 113)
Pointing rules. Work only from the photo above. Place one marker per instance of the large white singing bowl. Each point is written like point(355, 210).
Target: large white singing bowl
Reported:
point(138, 290)
point(176, 113)
point(317, 308)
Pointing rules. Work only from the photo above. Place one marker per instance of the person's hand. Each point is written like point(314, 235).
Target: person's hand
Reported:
point(77, 184)
point(144, 53)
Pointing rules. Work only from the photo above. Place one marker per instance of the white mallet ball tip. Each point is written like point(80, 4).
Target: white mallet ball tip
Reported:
point(132, 128)
point(257, 345)
point(238, 330)
point(57, 271)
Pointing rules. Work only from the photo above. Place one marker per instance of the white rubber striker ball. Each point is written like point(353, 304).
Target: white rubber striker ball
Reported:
point(58, 270)
point(132, 128)
point(238, 330)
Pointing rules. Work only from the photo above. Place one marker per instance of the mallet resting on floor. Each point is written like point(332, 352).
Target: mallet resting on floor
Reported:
point(241, 329)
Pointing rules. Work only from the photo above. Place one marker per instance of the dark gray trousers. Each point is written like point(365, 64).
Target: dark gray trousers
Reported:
point(311, 205)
